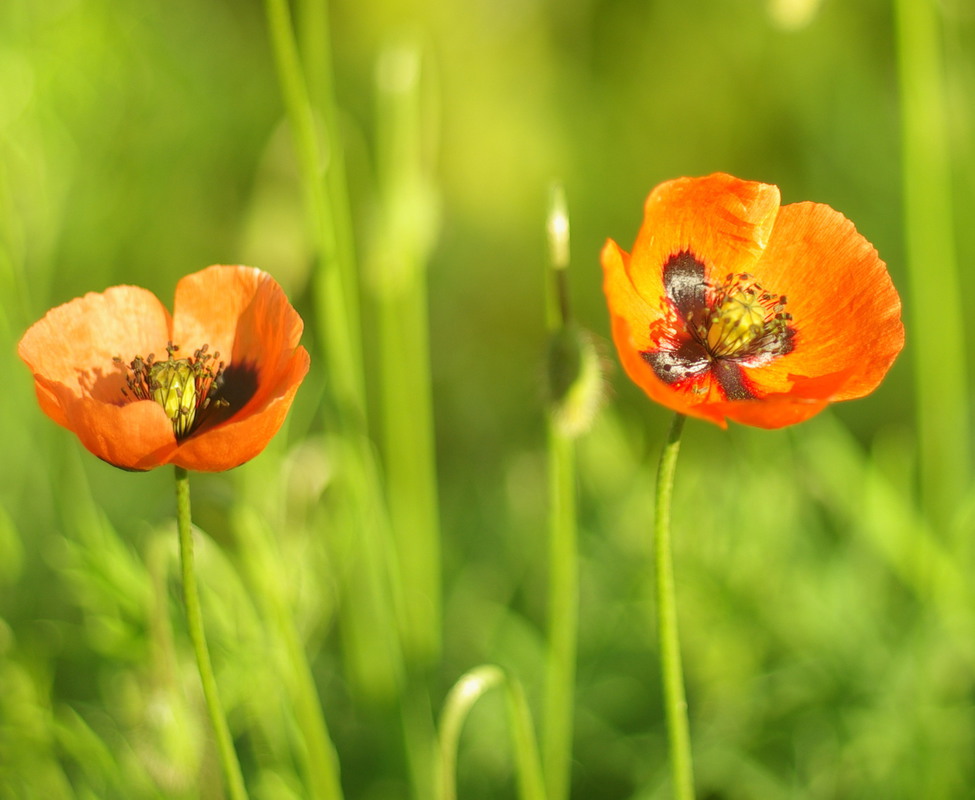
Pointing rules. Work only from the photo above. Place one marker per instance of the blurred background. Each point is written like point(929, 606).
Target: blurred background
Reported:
point(826, 609)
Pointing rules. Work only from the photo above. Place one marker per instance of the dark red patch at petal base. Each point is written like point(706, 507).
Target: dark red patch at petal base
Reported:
point(688, 353)
point(684, 283)
point(238, 384)
point(730, 307)
point(690, 360)
point(731, 376)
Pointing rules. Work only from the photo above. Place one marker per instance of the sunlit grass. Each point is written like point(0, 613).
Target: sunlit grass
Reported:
point(826, 617)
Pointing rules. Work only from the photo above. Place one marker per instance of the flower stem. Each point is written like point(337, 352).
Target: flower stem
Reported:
point(938, 307)
point(563, 605)
point(563, 589)
point(336, 289)
point(675, 703)
point(322, 762)
point(458, 704)
point(367, 610)
point(262, 560)
point(194, 620)
point(399, 284)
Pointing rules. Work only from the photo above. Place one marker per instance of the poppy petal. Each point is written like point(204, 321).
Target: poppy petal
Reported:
point(730, 307)
point(624, 300)
point(268, 332)
point(242, 313)
point(135, 436)
point(71, 353)
point(256, 330)
point(208, 305)
point(722, 221)
point(76, 343)
point(772, 411)
point(244, 436)
point(845, 309)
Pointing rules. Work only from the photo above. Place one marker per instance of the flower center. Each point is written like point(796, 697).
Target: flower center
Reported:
point(719, 330)
point(740, 319)
point(186, 388)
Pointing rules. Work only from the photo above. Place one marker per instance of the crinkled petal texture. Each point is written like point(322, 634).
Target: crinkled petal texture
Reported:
point(845, 311)
point(239, 311)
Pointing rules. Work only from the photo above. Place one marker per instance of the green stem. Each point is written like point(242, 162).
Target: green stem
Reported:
point(399, 283)
point(419, 733)
point(194, 620)
point(262, 560)
point(528, 769)
point(367, 608)
point(322, 760)
point(563, 604)
point(563, 591)
point(675, 703)
point(937, 307)
point(457, 705)
point(336, 287)
point(461, 698)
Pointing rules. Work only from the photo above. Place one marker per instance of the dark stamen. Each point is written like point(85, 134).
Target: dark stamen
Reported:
point(187, 388)
point(718, 329)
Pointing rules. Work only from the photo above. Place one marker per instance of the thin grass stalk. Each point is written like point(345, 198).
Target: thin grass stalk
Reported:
point(371, 604)
point(367, 609)
point(321, 761)
point(336, 290)
point(528, 768)
point(398, 281)
point(938, 330)
point(314, 46)
point(563, 605)
point(400, 287)
point(194, 620)
point(262, 559)
point(460, 700)
point(458, 704)
point(12, 284)
point(316, 56)
point(419, 732)
point(675, 702)
point(563, 577)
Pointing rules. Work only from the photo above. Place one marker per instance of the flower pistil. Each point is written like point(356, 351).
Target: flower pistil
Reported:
point(717, 329)
point(744, 320)
point(186, 388)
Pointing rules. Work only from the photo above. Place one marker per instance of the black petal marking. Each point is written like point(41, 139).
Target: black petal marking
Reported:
point(673, 366)
point(740, 341)
point(238, 384)
point(732, 379)
point(684, 282)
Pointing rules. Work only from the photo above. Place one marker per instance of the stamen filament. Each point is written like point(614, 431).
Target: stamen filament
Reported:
point(741, 319)
point(186, 388)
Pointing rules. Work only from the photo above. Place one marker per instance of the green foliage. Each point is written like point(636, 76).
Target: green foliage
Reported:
point(826, 618)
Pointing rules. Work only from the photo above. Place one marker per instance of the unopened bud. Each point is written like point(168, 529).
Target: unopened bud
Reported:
point(558, 228)
point(575, 380)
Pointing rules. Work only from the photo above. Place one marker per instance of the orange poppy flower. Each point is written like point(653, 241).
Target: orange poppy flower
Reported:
point(732, 307)
point(204, 389)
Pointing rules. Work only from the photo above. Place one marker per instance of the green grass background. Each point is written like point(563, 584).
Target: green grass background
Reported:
point(828, 620)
